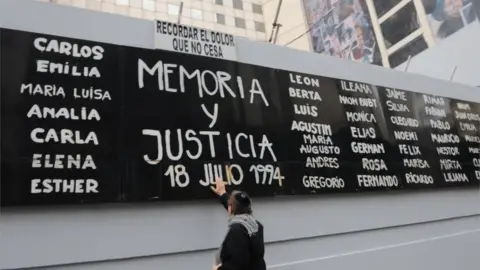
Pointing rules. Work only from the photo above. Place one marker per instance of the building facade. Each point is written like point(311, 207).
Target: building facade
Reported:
point(394, 29)
point(381, 32)
point(239, 17)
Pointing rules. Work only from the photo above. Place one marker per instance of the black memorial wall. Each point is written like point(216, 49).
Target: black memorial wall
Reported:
point(88, 122)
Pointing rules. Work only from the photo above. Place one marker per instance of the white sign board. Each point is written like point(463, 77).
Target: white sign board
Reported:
point(192, 40)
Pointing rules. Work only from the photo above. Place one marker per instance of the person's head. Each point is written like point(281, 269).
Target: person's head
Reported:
point(239, 203)
point(442, 10)
point(452, 8)
point(344, 10)
point(360, 35)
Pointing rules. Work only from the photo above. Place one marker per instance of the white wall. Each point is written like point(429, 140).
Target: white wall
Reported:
point(391, 230)
point(460, 50)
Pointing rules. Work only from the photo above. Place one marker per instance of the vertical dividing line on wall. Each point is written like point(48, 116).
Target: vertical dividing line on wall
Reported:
point(180, 10)
point(424, 25)
point(408, 63)
point(453, 73)
point(378, 33)
point(275, 24)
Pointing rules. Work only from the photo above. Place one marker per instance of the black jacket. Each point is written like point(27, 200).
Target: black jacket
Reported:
point(239, 251)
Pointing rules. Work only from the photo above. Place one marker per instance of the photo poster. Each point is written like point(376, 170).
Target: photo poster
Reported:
point(446, 17)
point(342, 28)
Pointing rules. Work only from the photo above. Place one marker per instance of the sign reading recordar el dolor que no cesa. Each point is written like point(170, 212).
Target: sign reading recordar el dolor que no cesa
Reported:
point(193, 40)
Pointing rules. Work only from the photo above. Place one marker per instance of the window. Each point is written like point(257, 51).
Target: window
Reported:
point(197, 14)
point(218, 2)
point(383, 6)
point(173, 9)
point(259, 27)
point(149, 5)
point(415, 47)
point(239, 22)
point(219, 18)
point(256, 8)
point(237, 4)
point(400, 24)
point(122, 2)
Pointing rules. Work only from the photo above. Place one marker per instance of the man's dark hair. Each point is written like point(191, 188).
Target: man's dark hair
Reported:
point(241, 203)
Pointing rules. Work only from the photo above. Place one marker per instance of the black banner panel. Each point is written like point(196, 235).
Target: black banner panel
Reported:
point(448, 151)
point(60, 101)
point(87, 122)
point(467, 123)
point(314, 136)
point(414, 155)
point(370, 154)
point(191, 121)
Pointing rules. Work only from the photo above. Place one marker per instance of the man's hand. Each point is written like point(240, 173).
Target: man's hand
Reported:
point(215, 267)
point(219, 187)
